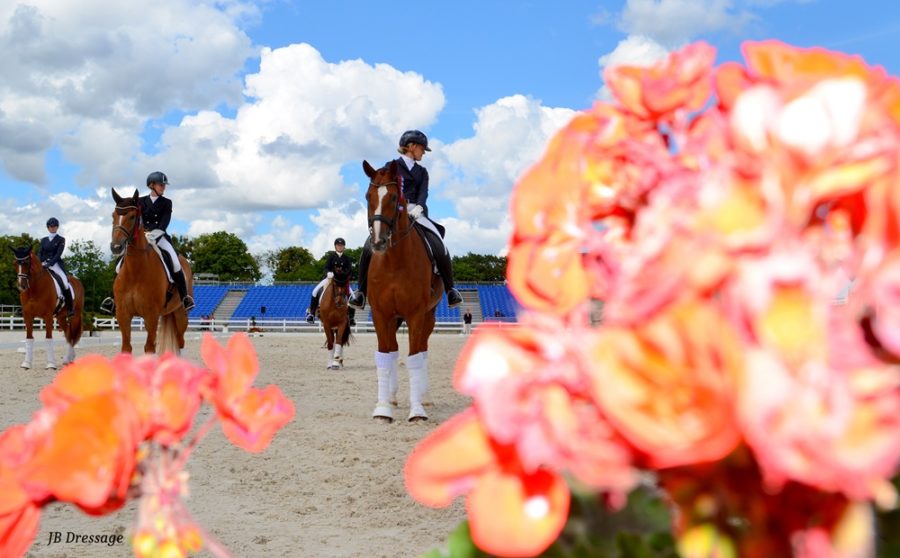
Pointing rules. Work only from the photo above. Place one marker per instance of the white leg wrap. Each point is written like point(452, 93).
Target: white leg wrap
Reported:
point(394, 378)
point(29, 353)
point(383, 407)
point(426, 399)
point(51, 357)
point(70, 354)
point(338, 351)
point(418, 382)
point(336, 363)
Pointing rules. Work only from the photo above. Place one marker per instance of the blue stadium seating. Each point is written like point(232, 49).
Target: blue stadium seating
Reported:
point(281, 301)
point(290, 302)
point(206, 298)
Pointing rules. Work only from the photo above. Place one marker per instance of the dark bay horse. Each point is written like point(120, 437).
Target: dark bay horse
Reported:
point(401, 286)
point(141, 287)
point(335, 319)
point(37, 294)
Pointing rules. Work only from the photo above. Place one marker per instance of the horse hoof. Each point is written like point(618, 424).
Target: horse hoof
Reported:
point(383, 413)
point(417, 413)
point(51, 367)
point(383, 420)
point(26, 365)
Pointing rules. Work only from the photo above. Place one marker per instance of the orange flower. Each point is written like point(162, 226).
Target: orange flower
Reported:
point(680, 83)
point(668, 385)
point(253, 420)
point(19, 516)
point(88, 456)
point(88, 376)
point(250, 416)
point(511, 513)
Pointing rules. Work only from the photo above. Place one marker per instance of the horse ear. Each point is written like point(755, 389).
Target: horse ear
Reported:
point(367, 168)
point(135, 196)
point(116, 195)
point(393, 167)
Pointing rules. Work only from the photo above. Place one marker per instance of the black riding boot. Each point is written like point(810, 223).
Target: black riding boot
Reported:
point(313, 307)
point(181, 284)
point(70, 305)
point(445, 268)
point(358, 300)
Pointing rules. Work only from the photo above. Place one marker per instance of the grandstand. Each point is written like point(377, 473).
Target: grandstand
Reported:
point(241, 302)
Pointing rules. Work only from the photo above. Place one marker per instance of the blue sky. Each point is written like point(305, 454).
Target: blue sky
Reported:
point(261, 112)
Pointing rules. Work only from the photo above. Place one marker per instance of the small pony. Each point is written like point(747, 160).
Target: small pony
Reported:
point(333, 313)
point(401, 286)
point(142, 287)
point(37, 293)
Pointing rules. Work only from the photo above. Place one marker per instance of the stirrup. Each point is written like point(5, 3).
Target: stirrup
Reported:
point(310, 319)
point(188, 303)
point(108, 305)
point(358, 300)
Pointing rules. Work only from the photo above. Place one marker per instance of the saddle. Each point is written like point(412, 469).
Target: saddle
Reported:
point(58, 283)
point(432, 243)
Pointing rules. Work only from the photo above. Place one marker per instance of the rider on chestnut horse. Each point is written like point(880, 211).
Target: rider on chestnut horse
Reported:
point(338, 263)
point(50, 254)
point(156, 212)
point(414, 181)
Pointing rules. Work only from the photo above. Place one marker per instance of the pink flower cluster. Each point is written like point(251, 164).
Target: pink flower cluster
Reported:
point(722, 215)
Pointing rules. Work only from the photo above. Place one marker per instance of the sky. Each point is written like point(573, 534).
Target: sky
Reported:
point(261, 112)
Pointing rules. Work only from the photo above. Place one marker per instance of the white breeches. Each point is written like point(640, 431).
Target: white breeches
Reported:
point(322, 284)
point(58, 270)
point(164, 244)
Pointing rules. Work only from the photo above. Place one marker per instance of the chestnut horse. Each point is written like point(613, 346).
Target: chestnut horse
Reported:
point(37, 293)
point(335, 319)
point(141, 287)
point(401, 286)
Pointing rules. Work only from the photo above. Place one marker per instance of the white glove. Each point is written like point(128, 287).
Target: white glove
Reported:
point(329, 275)
point(45, 264)
point(415, 210)
point(154, 234)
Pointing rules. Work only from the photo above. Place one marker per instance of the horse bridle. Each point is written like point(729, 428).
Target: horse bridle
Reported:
point(129, 234)
point(389, 222)
point(23, 263)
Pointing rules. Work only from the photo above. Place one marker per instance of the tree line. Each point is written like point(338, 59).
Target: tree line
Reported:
point(220, 253)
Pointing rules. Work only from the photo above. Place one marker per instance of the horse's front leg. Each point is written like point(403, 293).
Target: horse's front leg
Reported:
point(385, 366)
point(51, 355)
point(417, 365)
point(29, 340)
point(124, 321)
point(151, 323)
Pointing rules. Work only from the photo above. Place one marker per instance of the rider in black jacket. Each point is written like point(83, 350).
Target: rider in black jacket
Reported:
point(338, 265)
point(50, 254)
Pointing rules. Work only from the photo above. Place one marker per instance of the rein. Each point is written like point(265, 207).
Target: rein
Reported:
point(130, 235)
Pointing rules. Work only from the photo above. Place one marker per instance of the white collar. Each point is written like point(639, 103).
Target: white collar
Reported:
point(410, 162)
point(51, 236)
point(153, 198)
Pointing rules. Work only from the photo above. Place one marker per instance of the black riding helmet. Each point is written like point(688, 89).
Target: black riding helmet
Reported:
point(52, 222)
point(157, 178)
point(340, 241)
point(414, 136)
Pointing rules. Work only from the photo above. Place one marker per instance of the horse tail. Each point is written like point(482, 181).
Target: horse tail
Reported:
point(75, 325)
point(167, 337)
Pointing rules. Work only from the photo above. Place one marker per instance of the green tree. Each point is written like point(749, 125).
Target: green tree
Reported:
point(479, 267)
point(85, 261)
point(226, 255)
point(183, 245)
point(9, 294)
point(293, 263)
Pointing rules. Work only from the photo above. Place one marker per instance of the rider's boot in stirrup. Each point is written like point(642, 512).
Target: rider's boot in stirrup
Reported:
point(70, 305)
point(445, 268)
point(358, 298)
point(311, 311)
point(181, 284)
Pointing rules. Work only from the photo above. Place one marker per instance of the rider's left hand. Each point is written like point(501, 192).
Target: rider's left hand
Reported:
point(415, 210)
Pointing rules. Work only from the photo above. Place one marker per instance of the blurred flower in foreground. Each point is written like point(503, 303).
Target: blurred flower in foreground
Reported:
point(740, 225)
